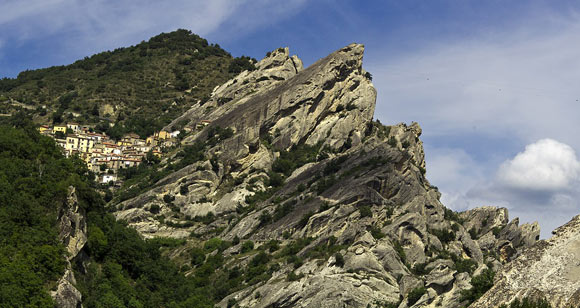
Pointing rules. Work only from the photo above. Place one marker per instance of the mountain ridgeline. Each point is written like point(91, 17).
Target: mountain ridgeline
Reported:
point(310, 202)
point(284, 192)
point(139, 88)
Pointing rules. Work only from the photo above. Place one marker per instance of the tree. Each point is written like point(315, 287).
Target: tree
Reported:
point(151, 158)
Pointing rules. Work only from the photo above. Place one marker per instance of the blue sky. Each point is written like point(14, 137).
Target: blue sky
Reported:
point(494, 84)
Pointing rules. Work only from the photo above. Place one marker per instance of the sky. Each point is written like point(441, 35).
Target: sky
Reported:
point(493, 84)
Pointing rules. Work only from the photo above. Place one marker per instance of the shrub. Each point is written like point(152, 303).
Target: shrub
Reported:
point(154, 208)
point(265, 218)
point(247, 246)
point(376, 232)
point(304, 220)
point(365, 211)
point(400, 251)
point(419, 269)
point(197, 256)
point(445, 236)
point(259, 259)
point(451, 215)
point(183, 190)
point(301, 187)
point(339, 259)
point(168, 198)
point(295, 246)
point(293, 277)
point(232, 303)
point(283, 210)
point(480, 284)
point(415, 295)
point(272, 245)
point(464, 265)
point(276, 180)
point(473, 233)
point(216, 243)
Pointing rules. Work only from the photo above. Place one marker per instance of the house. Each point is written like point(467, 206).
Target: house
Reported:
point(75, 127)
point(43, 129)
point(108, 178)
point(151, 140)
point(129, 139)
point(79, 143)
point(59, 128)
point(72, 142)
point(96, 137)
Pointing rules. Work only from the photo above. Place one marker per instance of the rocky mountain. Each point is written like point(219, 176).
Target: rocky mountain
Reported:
point(549, 271)
point(285, 177)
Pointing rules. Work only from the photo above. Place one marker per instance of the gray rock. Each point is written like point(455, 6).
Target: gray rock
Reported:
point(549, 269)
point(72, 228)
point(440, 278)
point(379, 169)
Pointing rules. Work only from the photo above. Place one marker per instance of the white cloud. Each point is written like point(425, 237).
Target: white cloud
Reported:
point(488, 95)
point(538, 184)
point(545, 165)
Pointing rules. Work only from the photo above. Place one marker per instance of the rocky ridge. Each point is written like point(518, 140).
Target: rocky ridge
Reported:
point(549, 270)
point(292, 158)
point(73, 234)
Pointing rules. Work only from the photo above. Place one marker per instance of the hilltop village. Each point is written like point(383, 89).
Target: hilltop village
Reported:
point(103, 155)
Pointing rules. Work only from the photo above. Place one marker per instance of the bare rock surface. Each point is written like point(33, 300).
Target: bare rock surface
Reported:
point(549, 270)
point(73, 234)
point(374, 226)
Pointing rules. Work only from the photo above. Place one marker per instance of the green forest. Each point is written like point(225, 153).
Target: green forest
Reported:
point(123, 270)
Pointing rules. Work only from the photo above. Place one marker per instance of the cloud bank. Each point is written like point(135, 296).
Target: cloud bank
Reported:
point(546, 165)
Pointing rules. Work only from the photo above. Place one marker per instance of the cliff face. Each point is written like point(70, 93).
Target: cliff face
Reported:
point(549, 270)
point(338, 204)
point(73, 234)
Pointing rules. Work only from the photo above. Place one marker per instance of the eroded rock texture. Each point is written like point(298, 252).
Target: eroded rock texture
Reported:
point(363, 196)
point(549, 270)
point(73, 234)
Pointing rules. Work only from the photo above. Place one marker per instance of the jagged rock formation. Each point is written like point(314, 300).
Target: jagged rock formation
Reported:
point(73, 234)
point(357, 222)
point(548, 270)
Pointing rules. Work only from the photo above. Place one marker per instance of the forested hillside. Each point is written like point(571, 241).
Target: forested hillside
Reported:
point(115, 269)
point(140, 88)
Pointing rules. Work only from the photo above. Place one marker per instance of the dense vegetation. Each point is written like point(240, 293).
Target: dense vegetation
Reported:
point(123, 270)
point(139, 89)
point(34, 178)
